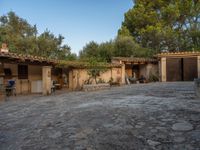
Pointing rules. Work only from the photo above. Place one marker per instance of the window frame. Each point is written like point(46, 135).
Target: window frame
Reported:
point(22, 71)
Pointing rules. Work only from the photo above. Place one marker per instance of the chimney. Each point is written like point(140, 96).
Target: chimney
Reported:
point(4, 48)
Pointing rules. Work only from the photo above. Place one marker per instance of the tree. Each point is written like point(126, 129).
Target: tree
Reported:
point(17, 33)
point(95, 69)
point(22, 37)
point(90, 50)
point(106, 51)
point(102, 52)
point(164, 25)
point(125, 46)
point(122, 46)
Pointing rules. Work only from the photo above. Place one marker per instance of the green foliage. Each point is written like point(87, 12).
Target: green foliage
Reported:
point(110, 81)
point(22, 37)
point(95, 70)
point(90, 50)
point(163, 25)
point(124, 31)
point(106, 51)
point(122, 46)
point(125, 46)
point(100, 81)
point(102, 52)
point(153, 78)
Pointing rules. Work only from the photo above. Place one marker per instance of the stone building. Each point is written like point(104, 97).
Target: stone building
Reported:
point(179, 66)
point(78, 73)
point(137, 67)
point(33, 74)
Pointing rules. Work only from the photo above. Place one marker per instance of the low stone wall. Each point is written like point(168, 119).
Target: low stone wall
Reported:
point(95, 87)
point(197, 87)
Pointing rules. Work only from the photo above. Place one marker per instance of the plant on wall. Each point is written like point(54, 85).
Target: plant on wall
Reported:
point(95, 69)
point(153, 77)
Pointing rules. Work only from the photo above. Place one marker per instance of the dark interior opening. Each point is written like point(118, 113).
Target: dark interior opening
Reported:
point(7, 72)
point(182, 70)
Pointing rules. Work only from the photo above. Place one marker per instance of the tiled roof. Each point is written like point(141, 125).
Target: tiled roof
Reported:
point(39, 60)
point(24, 57)
point(179, 54)
point(135, 59)
point(78, 64)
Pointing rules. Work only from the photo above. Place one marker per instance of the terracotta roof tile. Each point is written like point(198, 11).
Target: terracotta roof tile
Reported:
point(174, 54)
point(78, 64)
point(26, 57)
point(135, 59)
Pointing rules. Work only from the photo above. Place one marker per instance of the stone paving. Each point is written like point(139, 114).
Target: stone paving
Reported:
point(161, 116)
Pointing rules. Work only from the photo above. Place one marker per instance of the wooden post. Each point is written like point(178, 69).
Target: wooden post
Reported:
point(46, 80)
point(163, 69)
point(159, 71)
point(198, 66)
point(123, 74)
point(71, 80)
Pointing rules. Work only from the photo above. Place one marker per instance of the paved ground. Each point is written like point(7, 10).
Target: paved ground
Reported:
point(151, 116)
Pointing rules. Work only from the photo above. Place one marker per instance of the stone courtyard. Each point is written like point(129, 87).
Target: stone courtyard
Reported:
point(142, 116)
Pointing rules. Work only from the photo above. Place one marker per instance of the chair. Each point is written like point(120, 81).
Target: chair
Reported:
point(10, 88)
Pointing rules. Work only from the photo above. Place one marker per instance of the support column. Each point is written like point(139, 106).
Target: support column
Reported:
point(163, 69)
point(123, 74)
point(2, 95)
point(198, 66)
point(71, 80)
point(111, 73)
point(46, 80)
point(159, 71)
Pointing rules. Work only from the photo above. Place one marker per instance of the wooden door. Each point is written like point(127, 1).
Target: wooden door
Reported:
point(174, 69)
point(189, 69)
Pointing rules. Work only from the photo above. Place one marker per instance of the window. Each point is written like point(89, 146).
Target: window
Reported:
point(7, 72)
point(22, 71)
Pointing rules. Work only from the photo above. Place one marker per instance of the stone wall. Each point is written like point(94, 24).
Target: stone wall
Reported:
point(148, 69)
point(144, 69)
point(95, 87)
point(77, 77)
point(23, 86)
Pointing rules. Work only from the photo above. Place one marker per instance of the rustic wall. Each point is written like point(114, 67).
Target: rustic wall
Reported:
point(34, 73)
point(77, 77)
point(23, 86)
point(46, 80)
point(117, 74)
point(147, 69)
point(198, 66)
point(123, 74)
point(14, 71)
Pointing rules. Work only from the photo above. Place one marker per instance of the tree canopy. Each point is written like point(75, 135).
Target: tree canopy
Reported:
point(121, 46)
point(149, 27)
point(162, 25)
point(23, 37)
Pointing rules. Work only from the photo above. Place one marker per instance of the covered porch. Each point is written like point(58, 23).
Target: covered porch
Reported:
point(138, 68)
point(29, 74)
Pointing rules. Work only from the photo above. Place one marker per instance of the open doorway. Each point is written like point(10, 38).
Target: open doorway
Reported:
point(60, 78)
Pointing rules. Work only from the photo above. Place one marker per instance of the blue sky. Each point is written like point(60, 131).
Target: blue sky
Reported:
point(79, 21)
